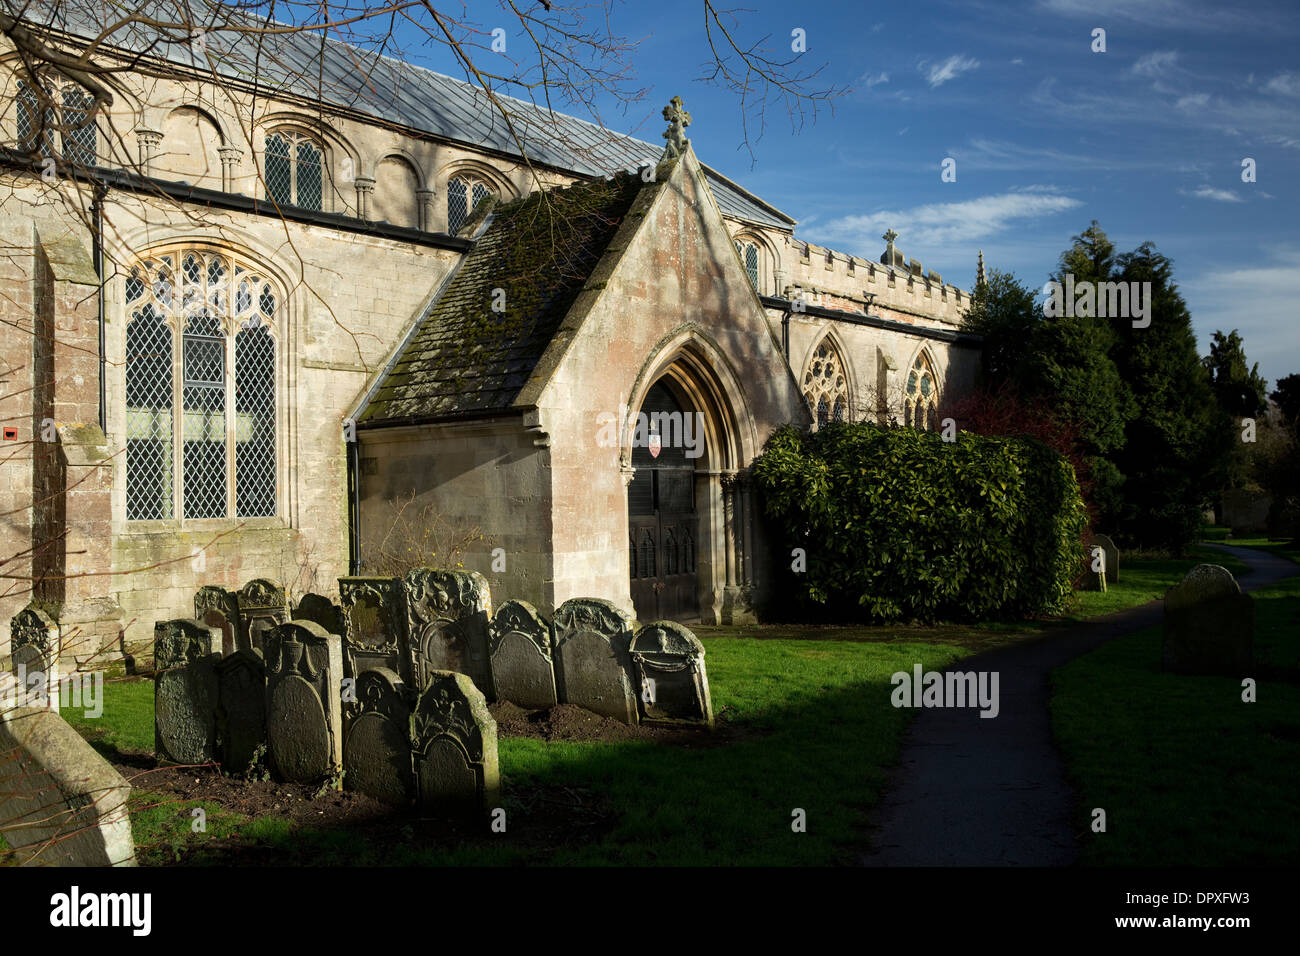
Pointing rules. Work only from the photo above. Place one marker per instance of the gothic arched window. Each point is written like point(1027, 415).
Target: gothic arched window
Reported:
point(464, 193)
point(294, 170)
point(921, 403)
point(61, 114)
point(748, 252)
point(825, 385)
point(200, 381)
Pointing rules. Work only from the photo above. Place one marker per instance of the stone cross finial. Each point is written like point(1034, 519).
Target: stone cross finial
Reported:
point(889, 238)
point(678, 120)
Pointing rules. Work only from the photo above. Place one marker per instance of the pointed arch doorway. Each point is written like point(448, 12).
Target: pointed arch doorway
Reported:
point(663, 512)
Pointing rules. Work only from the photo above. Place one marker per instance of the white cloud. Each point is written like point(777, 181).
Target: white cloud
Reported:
point(1218, 195)
point(939, 224)
point(1018, 61)
point(869, 81)
point(1156, 63)
point(1193, 101)
point(949, 69)
point(1288, 84)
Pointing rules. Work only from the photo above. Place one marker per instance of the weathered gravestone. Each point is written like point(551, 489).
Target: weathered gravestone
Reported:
point(241, 709)
point(303, 701)
point(320, 610)
point(377, 745)
point(523, 671)
point(33, 642)
point(455, 743)
point(447, 614)
point(185, 690)
point(219, 608)
point(1094, 568)
point(672, 685)
point(262, 605)
point(1110, 555)
point(1209, 624)
point(374, 634)
point(592, 668)
point(61, 803)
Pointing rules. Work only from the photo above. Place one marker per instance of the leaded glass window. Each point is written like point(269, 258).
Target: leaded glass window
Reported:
point(294, 170)
point(825, 385)
point(464, 193)
point(921, 403)
point(748, 252)
point(60, 118)
point(200, 388)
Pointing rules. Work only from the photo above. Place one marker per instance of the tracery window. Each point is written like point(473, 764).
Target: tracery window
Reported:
point(749, 257)
point(464, 193)
point(294, 170)
point(921, 402)
point(825, 386)
point(58, 120)
point(200, 388)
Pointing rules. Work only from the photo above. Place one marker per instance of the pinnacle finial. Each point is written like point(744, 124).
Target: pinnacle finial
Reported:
point(678, 120)
point(979, 271)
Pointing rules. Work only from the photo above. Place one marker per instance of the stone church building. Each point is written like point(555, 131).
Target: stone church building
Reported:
point(256, 331)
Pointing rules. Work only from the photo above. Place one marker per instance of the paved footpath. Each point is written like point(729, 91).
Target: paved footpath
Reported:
point(972, 791)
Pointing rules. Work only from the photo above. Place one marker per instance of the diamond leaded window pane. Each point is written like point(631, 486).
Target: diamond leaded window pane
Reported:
point(79, 145)
point(457, 208)
point(255, 421)
point(149, 478)
point(203, 424)
point(308, 175)
point(278, 175)
point(751, 263)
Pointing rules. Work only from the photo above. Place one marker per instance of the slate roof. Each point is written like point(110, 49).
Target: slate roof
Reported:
point(392, 90)
point(466, 360)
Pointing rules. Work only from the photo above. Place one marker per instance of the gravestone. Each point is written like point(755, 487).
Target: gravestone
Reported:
point(523, 671)
point(61, 803)
point(671, 682)
point(262, 605)
point(1111, 554)
point(374, 634)
point(241, 709)
point(1094, 568)
point(447, 616)
point(219, 608)
point(304, 720)
point(455, 743)
point(33, 642)
point(185, 690)
point(1209, 624)
point(377, 745)
point(592, 668)
point(320, 610)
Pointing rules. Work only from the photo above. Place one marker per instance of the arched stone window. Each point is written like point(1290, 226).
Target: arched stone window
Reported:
point(921, 401)
point(57, 120)
point(749, 257)
point(294, 170)
point(464, 192)
point(825, 386)
point(200, 387)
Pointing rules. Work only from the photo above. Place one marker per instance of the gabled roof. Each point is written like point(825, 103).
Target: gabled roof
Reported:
point(386, 88)
point(466, 359)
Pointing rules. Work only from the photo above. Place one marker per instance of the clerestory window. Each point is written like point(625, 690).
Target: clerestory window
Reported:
point(57, 121)
point(294, 170)
point(464, 193)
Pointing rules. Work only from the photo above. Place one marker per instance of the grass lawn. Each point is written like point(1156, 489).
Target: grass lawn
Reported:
point(1286, 548)
point(1188, 774)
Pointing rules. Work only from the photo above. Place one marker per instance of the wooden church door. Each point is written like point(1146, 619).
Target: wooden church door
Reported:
point(663, 523)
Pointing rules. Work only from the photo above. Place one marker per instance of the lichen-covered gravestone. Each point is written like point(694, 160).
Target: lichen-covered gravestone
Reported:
point(1110, 555)
point(303, 701)
point(185, 653)
point(377, 746)
point(455, 743)
point(262, 605)
point(374, 634)
point(61, 803)
point(33, 642)
point(219, 608)
point(523, 671)
point(668, 663)
point(1094, 568)
point(448, 613)
point(320, 610)
point(241, 711)
point(1209, 624)
point(591, 658)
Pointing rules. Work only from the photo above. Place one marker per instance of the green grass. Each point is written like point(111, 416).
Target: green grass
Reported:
point(126, 724)
point(1285, 548)
point(1188, 774)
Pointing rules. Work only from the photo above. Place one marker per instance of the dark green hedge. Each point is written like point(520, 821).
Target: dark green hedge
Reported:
point(899, 524)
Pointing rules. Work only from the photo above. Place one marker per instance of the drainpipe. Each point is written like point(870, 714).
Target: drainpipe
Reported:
point(97, 216)
point(354, 507)
point(785, 333)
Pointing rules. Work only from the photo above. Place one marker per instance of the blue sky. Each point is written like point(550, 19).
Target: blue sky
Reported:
point(1147, 137)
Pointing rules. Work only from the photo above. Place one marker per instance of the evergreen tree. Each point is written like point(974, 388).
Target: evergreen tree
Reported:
point(1239, 392)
